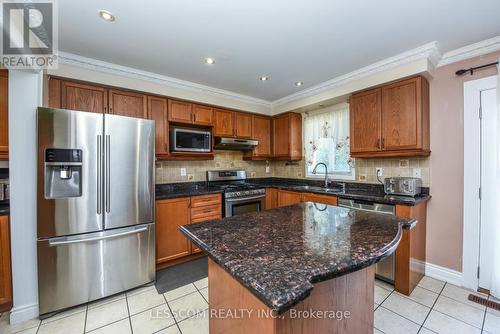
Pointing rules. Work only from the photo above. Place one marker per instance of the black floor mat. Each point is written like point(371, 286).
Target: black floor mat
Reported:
point(180, 275)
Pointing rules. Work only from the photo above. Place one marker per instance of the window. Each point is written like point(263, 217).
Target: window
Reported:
point(326, 139)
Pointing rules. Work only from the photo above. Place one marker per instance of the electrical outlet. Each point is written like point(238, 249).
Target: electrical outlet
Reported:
point(417, 172)
point(183, 171)
point(404, 163)
point(158, 165)
point(190, 176)
point(362, 177)
point(252, 174)
point(217, 164)
point(268, 169)
point(379, 171)
point(299, 174)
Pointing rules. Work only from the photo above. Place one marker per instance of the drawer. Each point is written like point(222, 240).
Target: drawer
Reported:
point(206, 218)
point(204, 211)
point(206, 200)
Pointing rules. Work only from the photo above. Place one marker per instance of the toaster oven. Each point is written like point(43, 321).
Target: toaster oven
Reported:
point(4, 190)
point(403, 186)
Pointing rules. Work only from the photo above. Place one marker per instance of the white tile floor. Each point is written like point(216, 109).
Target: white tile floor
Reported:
point(433, 307)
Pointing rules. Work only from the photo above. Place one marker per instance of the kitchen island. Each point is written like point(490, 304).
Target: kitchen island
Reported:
point(305, 268)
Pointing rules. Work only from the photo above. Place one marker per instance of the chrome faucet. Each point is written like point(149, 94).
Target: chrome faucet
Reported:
point(326, 172)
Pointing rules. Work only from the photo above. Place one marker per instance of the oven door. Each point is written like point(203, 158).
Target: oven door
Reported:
point(237, 206)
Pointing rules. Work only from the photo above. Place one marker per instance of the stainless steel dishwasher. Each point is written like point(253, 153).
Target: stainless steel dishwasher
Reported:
point(384, 269)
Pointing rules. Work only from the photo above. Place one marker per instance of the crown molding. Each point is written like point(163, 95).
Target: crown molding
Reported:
point(129, 72)
point(470, 51)
point(429, 51)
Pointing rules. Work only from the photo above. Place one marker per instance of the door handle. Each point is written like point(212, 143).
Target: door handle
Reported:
point(107, 173)
point(68, 241)
point(244, 199)
point(99, 174)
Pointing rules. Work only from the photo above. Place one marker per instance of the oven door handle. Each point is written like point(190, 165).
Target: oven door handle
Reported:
point(244, 199)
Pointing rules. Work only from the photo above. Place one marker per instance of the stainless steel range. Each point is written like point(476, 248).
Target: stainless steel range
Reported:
point(239, 195)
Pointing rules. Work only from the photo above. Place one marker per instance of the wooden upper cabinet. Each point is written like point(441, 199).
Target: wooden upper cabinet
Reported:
point(402, 115)
point(83, 97)
point(157, 111)
point(5, 268)
point(203, 115)
point(170, 215)
point(287, 136)
point(180, 111)
point(223, 123)
point(365, 108)
point(242, 125)
point(127, 103)
point(4, 114)
point(392, 120)
point(261, 131)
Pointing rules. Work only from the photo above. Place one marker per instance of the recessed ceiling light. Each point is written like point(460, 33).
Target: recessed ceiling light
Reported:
point(106, 16)
point(264, 78)
point(299, 83)
point(210, 61)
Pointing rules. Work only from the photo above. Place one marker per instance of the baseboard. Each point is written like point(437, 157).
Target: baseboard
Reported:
point(443, 274)
point(23, 313)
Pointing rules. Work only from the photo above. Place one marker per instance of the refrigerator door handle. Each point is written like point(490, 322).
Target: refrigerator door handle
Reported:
point(107, 173)
point(68, 241)
point(99, 174)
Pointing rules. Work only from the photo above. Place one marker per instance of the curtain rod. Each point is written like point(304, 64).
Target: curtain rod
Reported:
point(472, 69)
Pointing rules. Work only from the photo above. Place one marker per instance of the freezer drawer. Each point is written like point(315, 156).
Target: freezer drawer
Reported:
point(77, 269)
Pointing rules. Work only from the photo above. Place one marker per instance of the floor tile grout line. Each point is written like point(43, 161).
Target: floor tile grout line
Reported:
point(202, 296)
point(484, 319)
point(432, 307)
point(408, 297)
point(172, 314)
point(457, 319)
point(85, 321)
point(129, 316)
point(187, 294)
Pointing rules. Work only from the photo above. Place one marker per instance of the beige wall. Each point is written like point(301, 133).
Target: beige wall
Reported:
point(445, 211)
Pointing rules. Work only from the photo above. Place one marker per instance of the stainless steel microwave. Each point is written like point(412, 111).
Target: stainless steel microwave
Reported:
point(190, 140)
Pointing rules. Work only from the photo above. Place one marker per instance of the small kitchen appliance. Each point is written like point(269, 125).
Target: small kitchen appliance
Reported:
point(403, 186)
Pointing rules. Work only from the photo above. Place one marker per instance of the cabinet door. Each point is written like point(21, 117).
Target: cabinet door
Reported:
point(295, 137)
point(157, 111)
point(323, 199)
point(83, 97)
point(170, 242)
point(365, 109)
point(281, 140)
point(288, 198)
point(401, 115)
point(203, 115)
point(4, 114)
point(271, 198)
point(128, 104)
point(5, 269)
point(261, 131)
point(179, 111)
point(243, 125)
point(223, 123)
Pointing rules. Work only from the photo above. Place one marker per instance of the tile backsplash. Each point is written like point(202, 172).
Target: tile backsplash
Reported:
point(170, 171)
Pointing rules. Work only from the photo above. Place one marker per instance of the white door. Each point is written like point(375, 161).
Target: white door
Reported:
point(489, 196)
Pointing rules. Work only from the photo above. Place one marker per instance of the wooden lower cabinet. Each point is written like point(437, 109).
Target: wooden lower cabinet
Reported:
point(410, 254)
point(271, 198)
point(286, 197)
point(170, 242)
point(172, 247)
point(5, 266)
point(323, 199)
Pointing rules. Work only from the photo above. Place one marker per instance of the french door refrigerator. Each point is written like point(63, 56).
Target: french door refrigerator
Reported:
point(96, 231)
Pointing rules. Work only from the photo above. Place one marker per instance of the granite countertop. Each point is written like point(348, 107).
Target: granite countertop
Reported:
point(4, 209)
point(357, 191)
point(279, 254)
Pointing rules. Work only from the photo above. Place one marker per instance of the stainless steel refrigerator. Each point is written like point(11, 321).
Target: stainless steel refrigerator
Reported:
point(96, 231)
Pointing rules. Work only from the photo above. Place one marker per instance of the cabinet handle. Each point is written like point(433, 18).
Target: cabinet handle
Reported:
point(378, 143)
point(383, 143)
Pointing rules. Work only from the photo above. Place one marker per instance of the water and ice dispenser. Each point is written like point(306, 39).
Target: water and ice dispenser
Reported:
point(63, 173)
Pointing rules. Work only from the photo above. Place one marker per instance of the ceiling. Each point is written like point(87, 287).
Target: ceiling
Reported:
point(287, 40)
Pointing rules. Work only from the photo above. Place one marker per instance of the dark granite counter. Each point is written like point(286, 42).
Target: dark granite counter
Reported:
point(353, 190)
point(184, 189)
point(279, 254)
point(4, 209)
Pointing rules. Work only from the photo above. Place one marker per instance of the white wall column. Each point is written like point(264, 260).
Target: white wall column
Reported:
point(25, 95)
